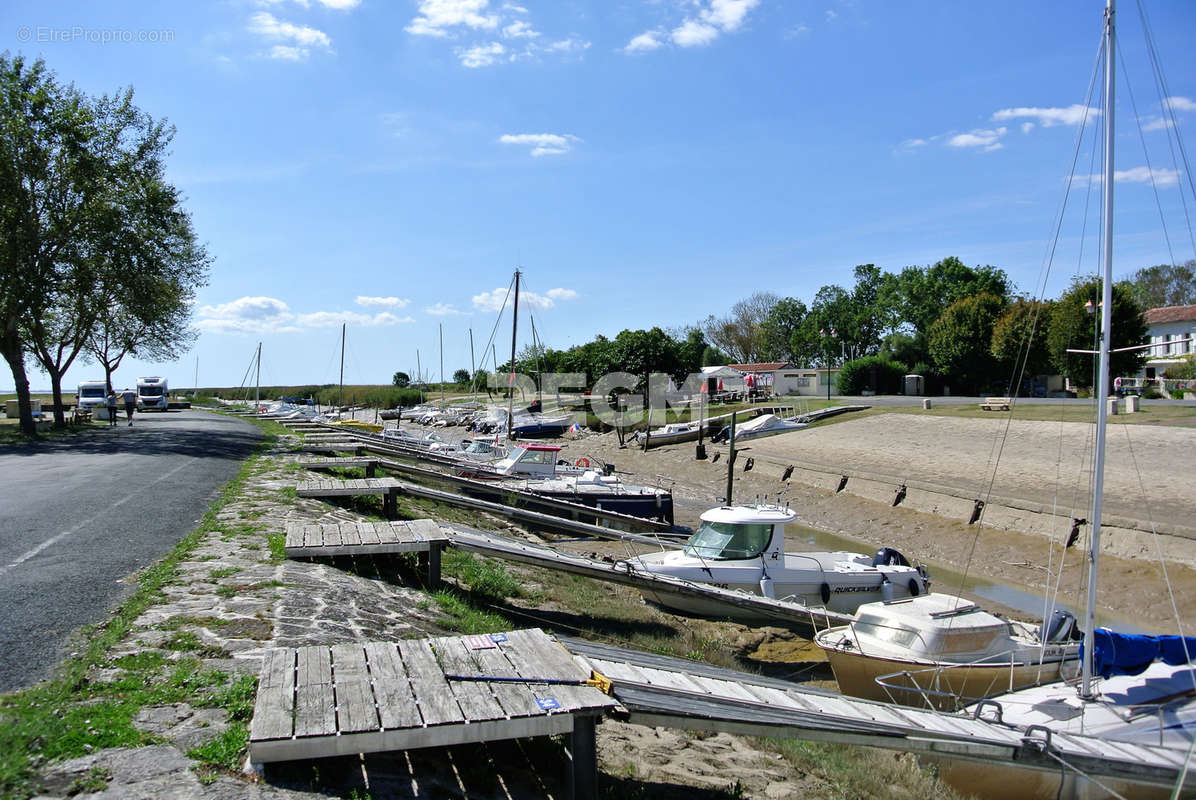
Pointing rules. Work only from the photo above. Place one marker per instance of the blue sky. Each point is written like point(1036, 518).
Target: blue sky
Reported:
point(645, 162)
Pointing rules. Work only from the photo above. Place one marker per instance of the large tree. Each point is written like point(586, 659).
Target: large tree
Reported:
point(961, 338)
point(1165, 285)
point(917, 296)
point(1019, 340)
point(782, 322)
point(1073, 326)
point(741, 333)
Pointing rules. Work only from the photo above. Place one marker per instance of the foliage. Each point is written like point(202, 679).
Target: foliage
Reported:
point(917, 296)
point(1186, 370)
point(401, 379)
point(1019, 340)
point(741, 333)
point(877, 373)
point(960, 339)
point(461, 377)
point(1165, 285)
point(782, 322)
point(905, 348)
point(1072, 327)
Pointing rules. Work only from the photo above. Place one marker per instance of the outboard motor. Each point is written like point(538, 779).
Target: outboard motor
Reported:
point(722, 435)
point(1061, 627)
point(888, 557)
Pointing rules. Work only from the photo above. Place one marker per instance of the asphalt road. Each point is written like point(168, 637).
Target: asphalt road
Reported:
point(78, 515)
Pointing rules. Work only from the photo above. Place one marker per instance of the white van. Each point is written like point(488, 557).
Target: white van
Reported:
point(90, 394)
point(151, 394)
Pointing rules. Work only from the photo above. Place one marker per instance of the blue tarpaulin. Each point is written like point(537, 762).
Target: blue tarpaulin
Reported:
point(1130, 653)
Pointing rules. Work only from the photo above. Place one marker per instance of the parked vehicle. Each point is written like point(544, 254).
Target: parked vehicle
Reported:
point(91, 394)
point(152, 394)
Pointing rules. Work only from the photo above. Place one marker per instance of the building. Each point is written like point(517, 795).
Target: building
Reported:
point(783, 377)
point(1171, 331)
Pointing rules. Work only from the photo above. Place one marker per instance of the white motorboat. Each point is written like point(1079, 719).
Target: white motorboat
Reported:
point(742, 547)
point(761, 426)
point(672, 433)
point(943, 651)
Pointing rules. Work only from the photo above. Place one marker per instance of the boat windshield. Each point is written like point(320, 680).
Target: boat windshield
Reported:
point(728, 541)
point(883, 630)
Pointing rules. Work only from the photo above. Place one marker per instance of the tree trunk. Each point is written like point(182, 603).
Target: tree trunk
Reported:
point(14, 354)
point(56, 389)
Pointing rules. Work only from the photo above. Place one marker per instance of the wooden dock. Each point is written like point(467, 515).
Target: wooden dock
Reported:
point(315, 702)
point(422, 536)
point(343, 462)
point(354, 487)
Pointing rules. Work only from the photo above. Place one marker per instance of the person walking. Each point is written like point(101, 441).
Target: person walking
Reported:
point(130, 398)
point(110, 401)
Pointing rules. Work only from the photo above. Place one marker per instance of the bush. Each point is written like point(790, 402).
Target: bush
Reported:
point(877, 373)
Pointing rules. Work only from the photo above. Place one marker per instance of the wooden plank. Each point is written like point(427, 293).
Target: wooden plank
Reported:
point(313, 536)
point(516, 699)
point(355, 708)
point(428, 530)
point(671, 680)
point(368, 533)
point(723, 688)
point(437, 704)
point(349, 535)
point(315, 706)
point(392, 687)
point(273, 712)
point(294, 537)
point(476, 699)
point(537, 656)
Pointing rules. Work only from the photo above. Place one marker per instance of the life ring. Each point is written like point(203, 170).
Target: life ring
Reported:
point(582, 462)
point(825, 592)
point(913, 588)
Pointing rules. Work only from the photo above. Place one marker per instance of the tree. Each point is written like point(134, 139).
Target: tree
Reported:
point(1165, 285)
point(1073, 327)
point(1019, 340)
point(961, 339)
point(741, 333)
point(461, 377)
point(783, 320)
point(401, 380)
point(917, 296)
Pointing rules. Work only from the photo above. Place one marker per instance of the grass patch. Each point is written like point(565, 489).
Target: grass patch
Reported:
point(487, 578)
point(223, 572)
point(460, 615)
point(224, 753)
point(278, 547)
point(72, 714)
point(861, 772)
point(188, 642)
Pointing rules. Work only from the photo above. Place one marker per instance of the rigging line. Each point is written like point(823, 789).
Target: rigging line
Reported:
point(999, 443)
point(494, 330)
point(1146, 154)
point(1168, 111)
point(1087, 205)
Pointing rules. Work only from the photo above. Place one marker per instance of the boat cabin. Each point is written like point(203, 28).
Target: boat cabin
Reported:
point(735, 533)
point(936, 627)
point(530, 461)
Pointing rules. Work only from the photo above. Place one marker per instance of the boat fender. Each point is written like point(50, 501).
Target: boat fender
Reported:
point(886, 590)
point(913, 587)
point(582, 462)
point(825, 592)
point(747, 465)
point(766, 587)
point(788, 472)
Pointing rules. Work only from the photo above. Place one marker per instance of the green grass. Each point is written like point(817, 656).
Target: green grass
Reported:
point(71, 715)
point(460, 615)
point(488, 579)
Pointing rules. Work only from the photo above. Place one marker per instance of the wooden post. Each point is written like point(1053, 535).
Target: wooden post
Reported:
point(434, 549)
point(371, 469)
point(390, 504)
point(583, 751)
point(731, 459)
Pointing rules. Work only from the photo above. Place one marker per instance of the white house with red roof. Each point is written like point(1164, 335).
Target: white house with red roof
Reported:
point(781, 378)
point(1172, 334)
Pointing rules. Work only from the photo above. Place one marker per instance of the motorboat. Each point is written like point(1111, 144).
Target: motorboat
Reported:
point(942, 651)
point(742, 547)
point(672, 433)
point(761, 426)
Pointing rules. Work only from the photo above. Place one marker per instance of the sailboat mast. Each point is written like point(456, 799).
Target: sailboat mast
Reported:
point(473, 369)
point(341, 401)
point(442, 365)
point(257, 387)
point(1102, 378)
point(511, 379)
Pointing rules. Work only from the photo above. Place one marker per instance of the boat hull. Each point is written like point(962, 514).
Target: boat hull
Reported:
point(856, 675)
point(843, 601)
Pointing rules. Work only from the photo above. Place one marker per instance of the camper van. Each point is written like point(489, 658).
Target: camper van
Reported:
point(151, 394)
point(90, 394)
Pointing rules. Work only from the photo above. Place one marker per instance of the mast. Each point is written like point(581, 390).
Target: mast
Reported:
point(341, 402)
point(257, 388)
point(511, 380)
point(419, 375)
point(473, 369)
point(1102, 378)
point(442, 365)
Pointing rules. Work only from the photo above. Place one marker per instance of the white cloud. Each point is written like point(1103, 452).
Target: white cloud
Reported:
point(646, 41)
point(296, 41)
point(1027, 127)
point(693, 33)
point(1157, 124)
point(1161, 177)
point(519, 30)
point(482, 55)
point(337, 5)
point(831, 15)
point(493, 301)
point(911, 143)
point(444, 310)
point(1180, 104)
point(1048, 117)
point(271, 315)
point(570, 45)
point(382, 302)
point(440, 17)
point(986, 139)
point(728, 15)
point(542, 144)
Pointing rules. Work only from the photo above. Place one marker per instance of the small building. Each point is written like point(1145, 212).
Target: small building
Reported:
point(782, 377)
point(1171, 331)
